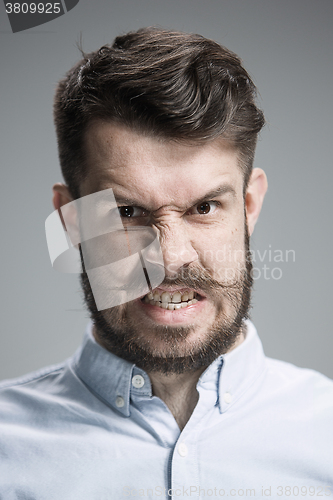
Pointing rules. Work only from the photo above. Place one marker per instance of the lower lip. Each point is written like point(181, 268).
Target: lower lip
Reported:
point(165, 316)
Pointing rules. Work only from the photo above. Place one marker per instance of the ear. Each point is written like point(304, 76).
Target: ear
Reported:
point(68, 215)
point(254, 197)
point(61, 195)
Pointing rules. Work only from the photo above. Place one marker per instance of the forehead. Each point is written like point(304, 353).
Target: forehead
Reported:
point(158, 170)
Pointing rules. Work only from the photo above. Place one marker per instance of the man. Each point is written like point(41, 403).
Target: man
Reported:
point(170, 395)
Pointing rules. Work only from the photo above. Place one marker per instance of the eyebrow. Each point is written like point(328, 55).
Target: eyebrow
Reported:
point(220, 191)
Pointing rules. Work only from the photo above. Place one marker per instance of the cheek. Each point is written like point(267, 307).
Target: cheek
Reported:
point(222, 252)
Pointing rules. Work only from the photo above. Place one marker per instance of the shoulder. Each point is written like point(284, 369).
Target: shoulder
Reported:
point(302, 387)
point(33, 378)
point(31, 393)
point(291, 374)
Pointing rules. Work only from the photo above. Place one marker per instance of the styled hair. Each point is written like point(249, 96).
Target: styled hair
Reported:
point(165, 83)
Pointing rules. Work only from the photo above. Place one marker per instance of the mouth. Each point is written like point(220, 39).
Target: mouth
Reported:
point(172, 300)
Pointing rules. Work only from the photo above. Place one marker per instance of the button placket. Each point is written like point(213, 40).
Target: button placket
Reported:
point(184, 465)
point(182, 449)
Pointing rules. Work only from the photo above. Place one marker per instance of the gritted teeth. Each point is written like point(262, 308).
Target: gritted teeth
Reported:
point(175, 297)
point(171, 300)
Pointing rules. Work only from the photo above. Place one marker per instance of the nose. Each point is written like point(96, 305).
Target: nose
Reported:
point(177, 247)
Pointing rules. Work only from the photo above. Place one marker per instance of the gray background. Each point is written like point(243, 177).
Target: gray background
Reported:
point(287, 48)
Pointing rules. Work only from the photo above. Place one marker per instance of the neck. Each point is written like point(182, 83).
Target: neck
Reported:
point(178, 392)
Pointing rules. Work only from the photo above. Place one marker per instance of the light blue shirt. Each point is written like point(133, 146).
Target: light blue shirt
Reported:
point(90, 429)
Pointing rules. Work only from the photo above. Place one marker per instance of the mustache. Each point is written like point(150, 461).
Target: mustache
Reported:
point(199, 278)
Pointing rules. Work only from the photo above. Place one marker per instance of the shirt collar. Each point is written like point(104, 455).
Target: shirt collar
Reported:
point(240, 368)
point(110, 377)
point(107, 375)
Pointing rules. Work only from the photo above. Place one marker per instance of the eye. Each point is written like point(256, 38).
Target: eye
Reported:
point(128, 212)
point(206, 207)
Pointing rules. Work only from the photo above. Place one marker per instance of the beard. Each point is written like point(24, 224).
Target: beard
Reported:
point(124, 336)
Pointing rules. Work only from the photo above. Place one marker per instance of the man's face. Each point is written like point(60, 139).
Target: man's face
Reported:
point(193, 196)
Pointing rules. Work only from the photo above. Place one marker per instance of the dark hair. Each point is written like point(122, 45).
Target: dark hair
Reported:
point(166, 83)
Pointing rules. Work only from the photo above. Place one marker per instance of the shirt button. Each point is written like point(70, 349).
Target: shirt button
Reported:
point(227, 397)
point(120, 402)
point(182, 450)
point(138, 381)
